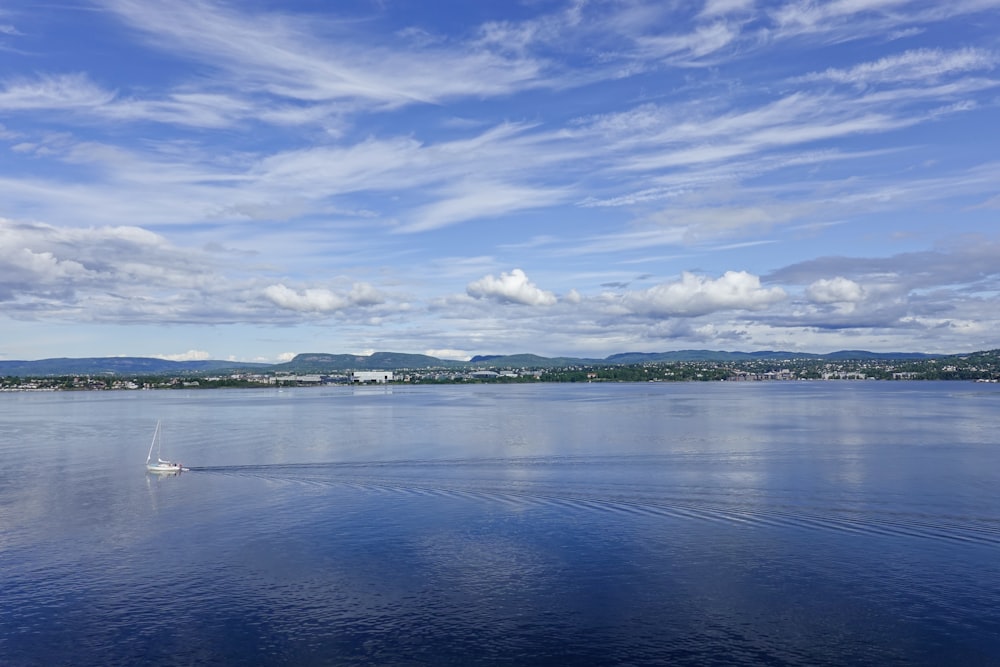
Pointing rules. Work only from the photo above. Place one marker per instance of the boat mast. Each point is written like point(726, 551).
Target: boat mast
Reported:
point(156, 432)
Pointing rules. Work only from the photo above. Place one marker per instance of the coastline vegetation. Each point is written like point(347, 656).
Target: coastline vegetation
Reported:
point(981, 366)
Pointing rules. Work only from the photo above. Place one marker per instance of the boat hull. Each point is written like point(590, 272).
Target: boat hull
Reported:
point(165, 467)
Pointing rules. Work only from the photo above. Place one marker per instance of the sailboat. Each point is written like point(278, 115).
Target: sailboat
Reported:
point(160, 465)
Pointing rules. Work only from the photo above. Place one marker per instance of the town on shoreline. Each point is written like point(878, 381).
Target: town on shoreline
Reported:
point(981, 367)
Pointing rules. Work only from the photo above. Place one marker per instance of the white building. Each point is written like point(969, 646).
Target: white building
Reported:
point(379, 377)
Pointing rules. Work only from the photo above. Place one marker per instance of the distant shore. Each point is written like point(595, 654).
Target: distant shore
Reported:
point(981, 367)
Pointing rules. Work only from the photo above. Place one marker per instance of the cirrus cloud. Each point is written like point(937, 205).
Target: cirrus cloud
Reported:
point(60, 91)
point(921, 65)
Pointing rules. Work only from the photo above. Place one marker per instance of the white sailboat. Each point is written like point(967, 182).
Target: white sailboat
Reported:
point(160, 465)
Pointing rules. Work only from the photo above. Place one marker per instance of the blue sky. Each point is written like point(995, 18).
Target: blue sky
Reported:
point(251, 180)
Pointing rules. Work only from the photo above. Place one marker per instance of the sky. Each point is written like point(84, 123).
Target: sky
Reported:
point(250, 180)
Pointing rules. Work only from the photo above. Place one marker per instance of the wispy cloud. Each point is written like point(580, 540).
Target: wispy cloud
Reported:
point(920, 65)
point(286, 56)
point(715, 8)
point(62, 92)
point(475, 200)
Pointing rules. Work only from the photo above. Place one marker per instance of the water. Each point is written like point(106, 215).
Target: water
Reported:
point(772, 523)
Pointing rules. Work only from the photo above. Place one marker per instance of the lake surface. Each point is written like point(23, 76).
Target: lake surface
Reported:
point(803, 523)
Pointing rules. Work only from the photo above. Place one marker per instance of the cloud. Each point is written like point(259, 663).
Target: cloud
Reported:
point(513, 287)
point(308, 300)
point(807, 14)
point(835, 290)
point(474, 200)
point(457, 355)
point(694, 295)
point(36, 258)
point(645, 156)
point(42, 268)
point(280, 54)
point(687, 48)
point(206, 110)
point(364, 294)
point(719, 7)
point(681, 146)
point(62, 91)
point(836, 18)
point(919, 65)
point(190, 355)
point(193, 108)
point(109, 274)
point(932, 293)
point(320, 300)
point(963, 261)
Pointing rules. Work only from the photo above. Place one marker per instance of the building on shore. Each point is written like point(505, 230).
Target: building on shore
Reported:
point(377, 377)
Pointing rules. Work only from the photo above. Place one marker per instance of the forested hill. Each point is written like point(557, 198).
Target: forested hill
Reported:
point(120, 366)
point(323, 362)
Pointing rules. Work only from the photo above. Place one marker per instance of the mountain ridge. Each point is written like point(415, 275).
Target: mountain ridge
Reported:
point(320, 362)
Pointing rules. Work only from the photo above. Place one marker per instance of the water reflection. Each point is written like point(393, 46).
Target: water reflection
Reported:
point(778, 524)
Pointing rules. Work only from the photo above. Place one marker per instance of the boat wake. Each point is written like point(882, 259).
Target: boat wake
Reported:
point(559, 489)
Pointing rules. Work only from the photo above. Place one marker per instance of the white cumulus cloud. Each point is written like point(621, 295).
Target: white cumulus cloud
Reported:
point(513, 287)
point(308, 300)
point(363, 294)
point(835, 290)
point(321, 300)
point(695, 295)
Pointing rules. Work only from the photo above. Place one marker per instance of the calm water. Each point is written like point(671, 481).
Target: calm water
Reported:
point(797, 523)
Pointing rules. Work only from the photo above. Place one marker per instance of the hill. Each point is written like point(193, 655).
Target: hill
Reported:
point(528, 361)
point(717, 355)
point(121, 366)
point(316, 362)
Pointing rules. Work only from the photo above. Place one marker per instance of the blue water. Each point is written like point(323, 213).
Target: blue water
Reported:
point(803, 523)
